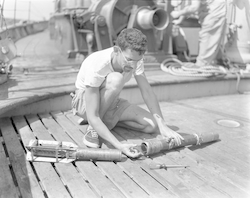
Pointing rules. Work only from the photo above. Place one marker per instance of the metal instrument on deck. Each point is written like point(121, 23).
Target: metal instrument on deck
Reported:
point(164, 166)
point(66, 152)
point(153, 146)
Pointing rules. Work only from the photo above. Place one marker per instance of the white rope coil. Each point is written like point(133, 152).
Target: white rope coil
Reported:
point(197, 138)
point(178, 68)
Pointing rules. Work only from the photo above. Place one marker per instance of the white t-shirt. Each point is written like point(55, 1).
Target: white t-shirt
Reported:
point(97, 66)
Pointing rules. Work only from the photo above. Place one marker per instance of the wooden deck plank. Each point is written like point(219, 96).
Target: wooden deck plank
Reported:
point(143, 164)
point(237, 136)
point(182, 192)
point(169, 180)
point(231, 137)
point(87, 168)
point(211, 175)
point(224, 159)
point(243, 144)
point(68, 173)
point(106, 166)
point(135, 172)
point(71, 129)
point(54, 128)
point(153, 184)
point(136, 137)
point(238, 181)
point(126, 184)
point(217, 171)
point(175, 188)
point(100, 182)
point(74, 119)
point(240, 151)
point(226, 105)
point(76, 183)
point(26, 178)
point(138, 177)
point(188, 176)
point(197, 187)
point(239, 172)
point(232, 159)
point(217, 181)
point(45, 171)
point(149, 184)
point(181, 117)
point(7, 186)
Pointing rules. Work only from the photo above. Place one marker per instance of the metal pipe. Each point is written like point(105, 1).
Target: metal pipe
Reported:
point(154, 146)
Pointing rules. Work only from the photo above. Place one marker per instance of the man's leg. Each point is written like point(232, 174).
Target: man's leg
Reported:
point(210, 39)
point(109, 91)
point(138, 119)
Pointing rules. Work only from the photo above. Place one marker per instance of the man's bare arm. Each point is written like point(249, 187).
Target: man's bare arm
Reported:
point(148, 94)
point(154, 107)
point(190, 9)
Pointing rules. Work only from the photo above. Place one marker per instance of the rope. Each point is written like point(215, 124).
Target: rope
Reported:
point(198, 142)
point(178, 68)
point(234, 69)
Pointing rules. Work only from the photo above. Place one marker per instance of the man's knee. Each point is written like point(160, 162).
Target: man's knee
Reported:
point(150, 128)
point(114, 81)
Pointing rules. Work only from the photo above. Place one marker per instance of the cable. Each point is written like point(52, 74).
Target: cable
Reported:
point(178, 68)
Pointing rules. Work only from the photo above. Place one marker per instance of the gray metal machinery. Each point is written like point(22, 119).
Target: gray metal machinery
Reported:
point(84, 27)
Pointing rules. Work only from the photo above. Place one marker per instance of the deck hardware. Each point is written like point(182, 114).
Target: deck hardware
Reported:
point(153, 146)
point(66, 152)
point(164, 166)
point(228, 123)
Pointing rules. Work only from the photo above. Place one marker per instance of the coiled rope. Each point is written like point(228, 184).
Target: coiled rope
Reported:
point(178, 68)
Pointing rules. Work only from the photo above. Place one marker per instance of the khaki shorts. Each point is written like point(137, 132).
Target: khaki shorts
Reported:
point(111, 117)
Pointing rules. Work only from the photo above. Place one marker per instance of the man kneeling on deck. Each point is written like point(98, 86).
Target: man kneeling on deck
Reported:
point(99, 82)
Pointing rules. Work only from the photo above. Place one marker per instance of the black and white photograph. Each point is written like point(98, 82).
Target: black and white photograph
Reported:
point(124, 98)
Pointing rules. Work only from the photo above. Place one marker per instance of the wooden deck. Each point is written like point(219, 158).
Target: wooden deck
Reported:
point(219, 169)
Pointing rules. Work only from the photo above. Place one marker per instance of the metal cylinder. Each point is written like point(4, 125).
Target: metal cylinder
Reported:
point(148, 18)
point(154, 146)
point(151, 147)
point(118, 12)
point(96, 154)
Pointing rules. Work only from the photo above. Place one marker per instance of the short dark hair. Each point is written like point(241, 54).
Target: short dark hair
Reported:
point(132, 39)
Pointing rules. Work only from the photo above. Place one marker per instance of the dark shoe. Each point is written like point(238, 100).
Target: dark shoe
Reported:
point(91, 139)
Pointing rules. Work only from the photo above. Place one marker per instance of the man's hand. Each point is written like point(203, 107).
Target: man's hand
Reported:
point(178, 21)
point(175, 14)
point(130, 151)
point(166, 132)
